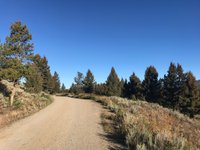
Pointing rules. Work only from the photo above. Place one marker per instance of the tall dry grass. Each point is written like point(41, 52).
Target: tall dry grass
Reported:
point(148, 126)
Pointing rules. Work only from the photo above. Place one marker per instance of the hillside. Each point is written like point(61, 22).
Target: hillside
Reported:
point(145, 125)
point(24, 103)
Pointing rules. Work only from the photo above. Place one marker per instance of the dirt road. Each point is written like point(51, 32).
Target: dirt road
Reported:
point(67, 124)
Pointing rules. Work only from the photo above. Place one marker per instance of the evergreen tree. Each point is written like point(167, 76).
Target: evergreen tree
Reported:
point(113, 84)
point(125, 91)
point(17, 52)
point(122, 82)
point(169, 87)
point(134, 87)
point(63, 88)
point(89, 82)
point(44, 69)
point(79, 79)
point(72, 89)
point(191, 100)
point(34, 79)
point(56, 83)
point(173, 86)
point(101, 89)
point(78, 86)
point(181, 86)
point(151, 85)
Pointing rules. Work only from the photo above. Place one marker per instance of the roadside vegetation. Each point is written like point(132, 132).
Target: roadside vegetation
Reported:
point(24, 103)
point(26, 81)
point(177, 90)
point(147, 126)
point(153, 114)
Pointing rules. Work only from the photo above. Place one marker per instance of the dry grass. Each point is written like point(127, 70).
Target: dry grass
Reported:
point(150, 126)
point(24, 105)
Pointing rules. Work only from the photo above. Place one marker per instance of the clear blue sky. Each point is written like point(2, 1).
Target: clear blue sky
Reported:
point(98, 34)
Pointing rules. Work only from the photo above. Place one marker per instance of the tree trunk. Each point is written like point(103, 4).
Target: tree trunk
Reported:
point(12, 95)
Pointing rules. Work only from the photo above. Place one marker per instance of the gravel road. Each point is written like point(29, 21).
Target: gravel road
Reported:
point(66, 124)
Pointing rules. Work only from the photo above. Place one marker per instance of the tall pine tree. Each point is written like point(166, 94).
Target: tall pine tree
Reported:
point(173, 86)
point(89, 82)
point(78, 86)
point(56, 83)
point(17, 52)
point(134, 88)
point(34, 79)
point(44, 69)
point(113, 84)
point(191, 100)
point(63, 88)
point(151, 85)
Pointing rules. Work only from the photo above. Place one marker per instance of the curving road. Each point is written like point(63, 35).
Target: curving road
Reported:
point(66, 124)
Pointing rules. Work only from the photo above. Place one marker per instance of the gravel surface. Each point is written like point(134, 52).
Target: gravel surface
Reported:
point(66, 124)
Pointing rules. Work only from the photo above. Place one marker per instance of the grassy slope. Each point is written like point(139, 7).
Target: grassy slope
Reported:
point(24, 105)
point(149, 126)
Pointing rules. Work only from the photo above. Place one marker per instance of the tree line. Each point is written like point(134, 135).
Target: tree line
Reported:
point(19, 63)
point(176, 90)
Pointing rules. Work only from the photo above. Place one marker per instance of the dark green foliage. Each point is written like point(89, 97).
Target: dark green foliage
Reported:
point(75, 89)
point(18, 62)
point(169, 87)
point(122, 82)
point(125, 89)
point(113, 84)
point(79, 79)
point(89, 82)
point(134, 87)
point(63, 88)
point(15, 55)
point(44, 69)
point(101, 89)
point(78, 86)
point(34, 79)
point(151, 85)
point(55, 83)
point(17, 51)
point(191, 100)
point(173, 86)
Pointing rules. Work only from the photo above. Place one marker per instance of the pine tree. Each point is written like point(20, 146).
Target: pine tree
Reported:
point(89, 82)
point(151, 85)
point(169, 88)
point(79, 79)
point(56, 83)
point(78, 86)
point(17, 52)
point(63, 88)
point(191, 99)
point(44, 69)
point(101, 89)
point(122, 82)
point(125, 91)
point(34, 79)
point(134, 87)
point(173, 86)
point(113, 84)
point(181, 86)
point(72, 89)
